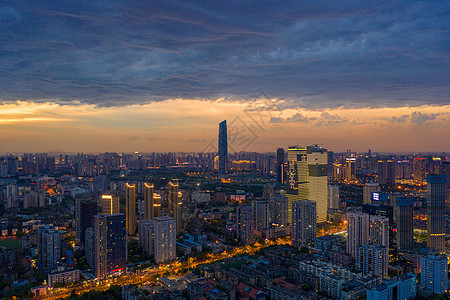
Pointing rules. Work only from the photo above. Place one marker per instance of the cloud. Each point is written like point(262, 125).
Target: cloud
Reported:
point(421, 118)
point(133, 138)
point(297, 118)
point(310, 54)
point(196, 140)
point(415, 117)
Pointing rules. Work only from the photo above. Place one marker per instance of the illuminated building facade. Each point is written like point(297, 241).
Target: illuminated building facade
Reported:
point(434, 273)
point(110, 244)
point(280, 164)
point(149, 211)
point(131, 208)
point(49, 247)
point(304, 222)
point(357, 231)
point(436, 212)
point(175, 205)
point(405, 228)
point(307, 178)
point(110, 204)
point(368, 189)
point(419, 169)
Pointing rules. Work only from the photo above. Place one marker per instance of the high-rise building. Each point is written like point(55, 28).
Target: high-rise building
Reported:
point(330, 169)
point(386, 172)
point(307, 178)
point(304, 222)
point(350, 169)
point(131, 208)
point(278, 209)
point(419, 168)
point(84, 215)
point(245, 226)
point(436, 212)
point(368, 189)
point(89, 246)
point(49, 247)
point(433, 273)
point(372, 259)
point(110, 244)
point(175, 205)
point(405, 229)
point(357, 231)
point(280, 164)
point(379, 231)
point(149, 210)
point(261, 214)
point(157, 205)
point(223, 147)
point(110, 204)
point(158, 237)
point(334, 200)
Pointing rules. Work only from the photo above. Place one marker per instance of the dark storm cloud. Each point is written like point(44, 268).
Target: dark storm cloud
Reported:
point(313, 54)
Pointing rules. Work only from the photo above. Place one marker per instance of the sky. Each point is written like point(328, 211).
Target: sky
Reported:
point(94, 76)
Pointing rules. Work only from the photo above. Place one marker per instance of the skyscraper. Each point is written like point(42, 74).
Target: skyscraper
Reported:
point(49, 247)
point(405, 229)
point(110, 204)
point(149, 212)
point(84, 213)
point(307, 178)
point(110, 244)
point(223, 147)
point(433, 273)
point(436, 212)
point(280, 164)
point(357, 231)
point(350, 169)
point(386, 172)
point(157, 205)
point(419, 168)
point(245, 226)
point(304, 222)
point(131, 208)
point(278, 209)
point(158, 237)
point(175, 205)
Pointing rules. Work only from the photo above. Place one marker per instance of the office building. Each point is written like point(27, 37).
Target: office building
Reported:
point(149, 210)
point(330, 169)
point(379, 231)
point(307, 178)
point(419, 169)
point(130, 193)
point(405, 229)
point(84, 217)
point(158, 237)
point(261, 214)
point(372, 259)
point(245, 225)
point(110, 204)
point(49, 247)
point(280, 165)
point(334, 201)
point(368, 189)
point(110, 245)
point(436, 212)
point(434, 273)
point(223, 147)
point(357, 231)
point(304, 222)
point(175, 205)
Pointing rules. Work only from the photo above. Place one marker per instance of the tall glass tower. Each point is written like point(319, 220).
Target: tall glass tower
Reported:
point(223, 147)
point(436, 212)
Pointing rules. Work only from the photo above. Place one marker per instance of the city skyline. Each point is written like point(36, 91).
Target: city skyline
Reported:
point(353, 76)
